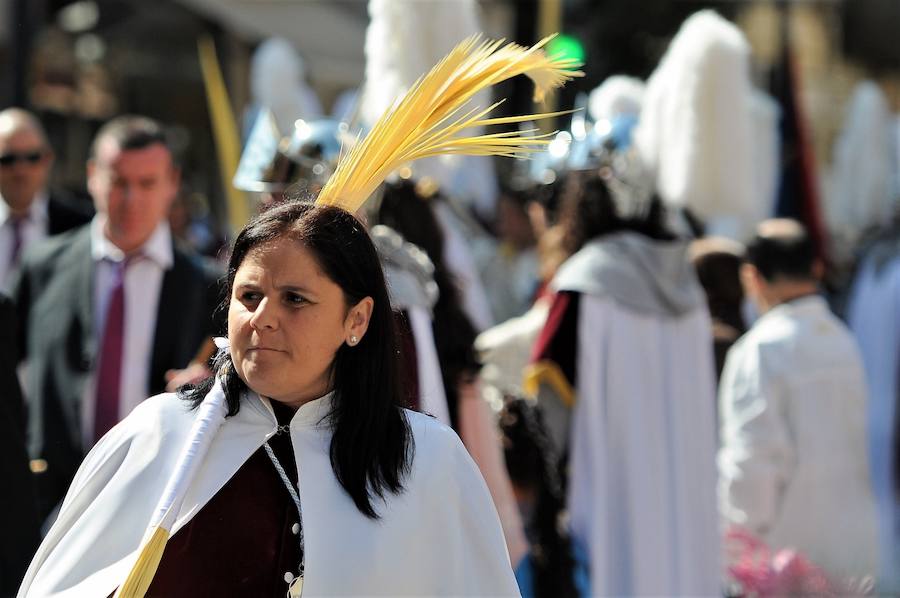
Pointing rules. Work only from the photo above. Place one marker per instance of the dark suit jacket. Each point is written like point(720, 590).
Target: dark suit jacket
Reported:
point(54, 296)
point(18, 515)
point(64, 213)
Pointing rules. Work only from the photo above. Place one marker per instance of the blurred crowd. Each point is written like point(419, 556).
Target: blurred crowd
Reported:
point(671, 384)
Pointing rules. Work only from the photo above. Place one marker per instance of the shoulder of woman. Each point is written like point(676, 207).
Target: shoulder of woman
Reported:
point(156, 423)
point(159, 417)
point(436, 444)
point(161, 409)
point(428, 428)
point(444, 470)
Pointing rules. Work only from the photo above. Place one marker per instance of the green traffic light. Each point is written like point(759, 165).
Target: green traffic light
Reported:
point(566, 46)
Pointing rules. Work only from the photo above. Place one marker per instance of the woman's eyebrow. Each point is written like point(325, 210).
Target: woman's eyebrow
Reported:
point(295, 288)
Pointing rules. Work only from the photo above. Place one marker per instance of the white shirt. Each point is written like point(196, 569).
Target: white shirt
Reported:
point(143, 282)
point(34, 228)
point(793, 466)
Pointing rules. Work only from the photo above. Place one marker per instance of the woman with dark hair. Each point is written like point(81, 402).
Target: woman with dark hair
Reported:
point(295, 467)
point(311, 374)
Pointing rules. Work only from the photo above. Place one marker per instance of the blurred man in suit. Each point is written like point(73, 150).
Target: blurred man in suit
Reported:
point(29, 212)
point(107, 309)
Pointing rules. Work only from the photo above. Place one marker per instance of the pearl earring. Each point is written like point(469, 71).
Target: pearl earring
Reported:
point(353, 340)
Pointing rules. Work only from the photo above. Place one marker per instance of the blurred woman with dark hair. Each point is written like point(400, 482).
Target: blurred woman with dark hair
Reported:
point(718, 264)
point(405, 209)
point(551, 568)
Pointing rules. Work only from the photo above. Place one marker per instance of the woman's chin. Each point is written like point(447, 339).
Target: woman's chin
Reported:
point(259, 378)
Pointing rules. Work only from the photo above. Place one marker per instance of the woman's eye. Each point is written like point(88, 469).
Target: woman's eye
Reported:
point(295, 299)
point(250, 296)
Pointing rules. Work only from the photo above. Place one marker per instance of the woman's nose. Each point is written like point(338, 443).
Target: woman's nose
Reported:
point(264, 316)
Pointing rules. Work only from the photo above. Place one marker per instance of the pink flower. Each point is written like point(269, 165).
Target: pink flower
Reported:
point(760, 573)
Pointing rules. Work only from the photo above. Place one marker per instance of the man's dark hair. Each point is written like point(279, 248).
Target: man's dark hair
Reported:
point(782, 249)
point(131, 133)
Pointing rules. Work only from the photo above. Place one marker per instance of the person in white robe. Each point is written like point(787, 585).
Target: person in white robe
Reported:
point(436, 533)
point(793, 462)
point(625, 353)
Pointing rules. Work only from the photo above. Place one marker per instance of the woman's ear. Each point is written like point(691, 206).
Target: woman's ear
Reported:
point(357, 321)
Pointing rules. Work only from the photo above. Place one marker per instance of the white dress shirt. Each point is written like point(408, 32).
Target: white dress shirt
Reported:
point(793, 464)
point(143, 282)
point(34, 228)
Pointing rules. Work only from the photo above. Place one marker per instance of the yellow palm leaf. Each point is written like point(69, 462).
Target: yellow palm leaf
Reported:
point(429, 118)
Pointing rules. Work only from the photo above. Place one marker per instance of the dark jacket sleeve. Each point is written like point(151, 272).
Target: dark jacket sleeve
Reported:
point(65, 213)
point(18, 517)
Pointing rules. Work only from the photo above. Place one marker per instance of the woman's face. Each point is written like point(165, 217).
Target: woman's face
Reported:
point(286, 321)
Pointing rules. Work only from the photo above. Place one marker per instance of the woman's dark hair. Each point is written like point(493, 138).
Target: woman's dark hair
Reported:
point(548, 195)
point(529, 460)
point(407, 212)
point(587, 211)
point(372, 445)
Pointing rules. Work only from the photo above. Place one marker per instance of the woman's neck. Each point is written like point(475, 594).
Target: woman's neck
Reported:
point(295, 402)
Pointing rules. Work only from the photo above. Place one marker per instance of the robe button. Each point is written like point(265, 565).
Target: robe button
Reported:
point(289, 577)
point(295, 529)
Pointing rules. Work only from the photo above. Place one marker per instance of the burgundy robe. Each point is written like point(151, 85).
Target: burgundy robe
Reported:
point(242, 542)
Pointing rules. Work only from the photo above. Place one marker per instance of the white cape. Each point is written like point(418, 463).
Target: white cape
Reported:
point(642, 492)
point(642, 472)
point(441, 536)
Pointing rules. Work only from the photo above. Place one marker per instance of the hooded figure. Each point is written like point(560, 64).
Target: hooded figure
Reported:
point(624, 370)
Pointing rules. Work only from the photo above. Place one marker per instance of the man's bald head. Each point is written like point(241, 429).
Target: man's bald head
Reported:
point(25, 159)
point(15, 120)
point(782, 249)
